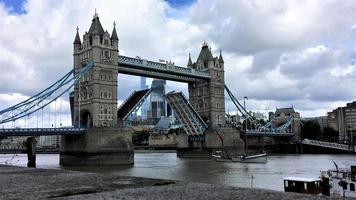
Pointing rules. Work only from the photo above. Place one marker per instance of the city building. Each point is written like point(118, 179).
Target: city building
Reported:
point(157, 103)
point(343, 120)
point(144, 107)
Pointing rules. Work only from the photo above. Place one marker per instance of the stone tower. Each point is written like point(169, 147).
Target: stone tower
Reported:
point(95, 99)
point(207, 97)
point(94, 104)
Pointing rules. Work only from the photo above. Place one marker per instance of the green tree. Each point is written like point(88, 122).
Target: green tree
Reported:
point(310, 130)
point(140, 137)
point(263, 122)
point(330, 134)
point(247, 123)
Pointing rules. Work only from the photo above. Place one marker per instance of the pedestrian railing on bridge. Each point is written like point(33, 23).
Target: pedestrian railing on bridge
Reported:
point(329, 145)
point(169, 71)
point(42, 131)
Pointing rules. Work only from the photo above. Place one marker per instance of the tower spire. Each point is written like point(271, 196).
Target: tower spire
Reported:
point(95, 27)
point(190, 63)
point(77, 38)
point(221, 60)
point(114, 34)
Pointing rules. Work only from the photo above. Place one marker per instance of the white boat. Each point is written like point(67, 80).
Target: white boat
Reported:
point(257, 158)
point(219, 156)
point(342, 181)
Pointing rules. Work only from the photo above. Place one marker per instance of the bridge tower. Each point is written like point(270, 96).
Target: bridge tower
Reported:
point(94, 103)
point(208, 99)
point(95, 99)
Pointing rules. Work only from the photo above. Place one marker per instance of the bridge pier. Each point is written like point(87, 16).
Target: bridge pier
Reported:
point(30, 144)
point(231, 142)
point(99, 146)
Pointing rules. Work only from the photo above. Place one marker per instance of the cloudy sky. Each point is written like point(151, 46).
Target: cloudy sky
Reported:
point(278, 53)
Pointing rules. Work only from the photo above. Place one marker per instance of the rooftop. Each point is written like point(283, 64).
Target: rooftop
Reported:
point(301, 179)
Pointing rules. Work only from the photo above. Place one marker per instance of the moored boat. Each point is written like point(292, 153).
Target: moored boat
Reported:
point(220, 156)
point(257, 158)
point(341, 181)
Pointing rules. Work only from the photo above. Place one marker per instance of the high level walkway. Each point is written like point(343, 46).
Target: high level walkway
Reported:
point(167, 71)
point(192, 123)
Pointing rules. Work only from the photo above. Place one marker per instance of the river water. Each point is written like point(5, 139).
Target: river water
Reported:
point(168, 166)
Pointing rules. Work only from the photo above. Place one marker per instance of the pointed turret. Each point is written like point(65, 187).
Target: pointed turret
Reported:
point(114, 34)
point(205, 53)
point(190, 63)
point(77, 38)
point(221, 60)
point(95, 27)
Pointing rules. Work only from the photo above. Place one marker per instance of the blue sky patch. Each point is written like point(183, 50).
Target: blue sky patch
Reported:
point(180, 3)
point(14, 6)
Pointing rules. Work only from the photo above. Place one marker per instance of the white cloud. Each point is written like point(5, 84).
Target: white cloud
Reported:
point(279, 53)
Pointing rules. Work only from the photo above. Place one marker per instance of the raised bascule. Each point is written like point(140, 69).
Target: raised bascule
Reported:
point(95, 101)
point(100, 135)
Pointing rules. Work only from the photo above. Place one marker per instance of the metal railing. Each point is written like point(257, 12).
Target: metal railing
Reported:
point(162, 67)
point(328, 145)
point(42, 131)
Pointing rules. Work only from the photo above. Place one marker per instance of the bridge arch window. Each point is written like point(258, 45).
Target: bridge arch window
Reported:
point(106, 42)
point(106, 54)
point(352, 187)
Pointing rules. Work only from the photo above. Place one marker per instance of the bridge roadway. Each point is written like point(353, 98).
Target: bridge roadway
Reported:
point(42, 131)
point(268, 134)
point(167, 71)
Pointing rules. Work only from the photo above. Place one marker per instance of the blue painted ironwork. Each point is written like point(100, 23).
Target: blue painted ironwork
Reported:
point(191, 121)
point(137, 102)
point(43, 131)
point(260, 130)
point(254, 133)
point(45, 97)
point(196, 138)
point(168, 71)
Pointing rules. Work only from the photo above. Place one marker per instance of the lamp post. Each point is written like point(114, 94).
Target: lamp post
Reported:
point(245, 98)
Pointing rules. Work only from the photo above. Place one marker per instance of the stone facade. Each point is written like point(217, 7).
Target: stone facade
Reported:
point(95, 100)
point(343, 120)
point(94, 104)
point(207, 97)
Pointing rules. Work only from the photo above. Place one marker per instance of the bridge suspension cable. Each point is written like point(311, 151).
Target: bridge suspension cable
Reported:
point(242, 110)
point(45, 97)
point(258, 126)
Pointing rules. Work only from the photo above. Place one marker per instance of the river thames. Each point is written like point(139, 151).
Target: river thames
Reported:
point(168, 166)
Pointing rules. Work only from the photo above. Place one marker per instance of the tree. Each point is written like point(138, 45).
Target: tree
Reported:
point(140, 137)
point(248, 124)
point(263, 122)
point(329, 134)
point(310, 130)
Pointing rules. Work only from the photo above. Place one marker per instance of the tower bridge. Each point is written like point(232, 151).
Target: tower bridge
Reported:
point(97, 137)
